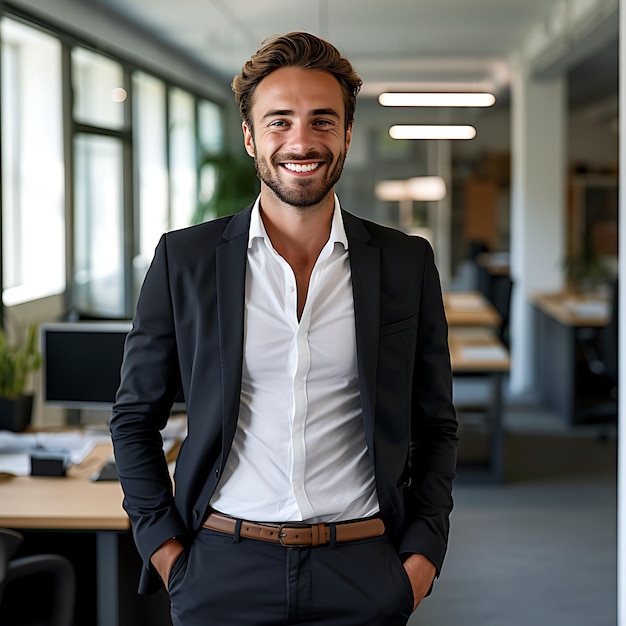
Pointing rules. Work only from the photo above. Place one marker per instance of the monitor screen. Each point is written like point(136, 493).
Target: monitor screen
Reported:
point(81, 363)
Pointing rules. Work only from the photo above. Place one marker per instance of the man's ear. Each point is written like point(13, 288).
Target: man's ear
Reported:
point(348, 137)
point(248, 139)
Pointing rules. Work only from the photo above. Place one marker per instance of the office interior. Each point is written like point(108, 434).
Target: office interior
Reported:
point(89, 186)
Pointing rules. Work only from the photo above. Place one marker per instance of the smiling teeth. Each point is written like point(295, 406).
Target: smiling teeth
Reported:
point(302, 168)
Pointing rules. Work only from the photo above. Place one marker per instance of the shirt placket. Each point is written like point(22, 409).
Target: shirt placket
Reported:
point(300, 368)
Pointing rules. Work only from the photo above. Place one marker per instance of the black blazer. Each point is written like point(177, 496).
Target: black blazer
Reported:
point(188, 330)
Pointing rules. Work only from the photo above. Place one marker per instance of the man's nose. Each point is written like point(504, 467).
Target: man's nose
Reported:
point(301, 138)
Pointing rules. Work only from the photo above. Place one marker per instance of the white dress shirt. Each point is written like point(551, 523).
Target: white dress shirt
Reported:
point(299, 452)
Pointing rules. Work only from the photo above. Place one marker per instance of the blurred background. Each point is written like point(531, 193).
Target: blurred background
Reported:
point(118, 123)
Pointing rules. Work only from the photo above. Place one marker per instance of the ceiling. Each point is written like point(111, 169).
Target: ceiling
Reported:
point(393, 44)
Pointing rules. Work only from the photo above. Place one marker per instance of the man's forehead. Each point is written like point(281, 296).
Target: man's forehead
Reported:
point(306, 89)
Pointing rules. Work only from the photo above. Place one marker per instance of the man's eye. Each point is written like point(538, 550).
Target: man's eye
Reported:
point(278, 123)
point(324, 123)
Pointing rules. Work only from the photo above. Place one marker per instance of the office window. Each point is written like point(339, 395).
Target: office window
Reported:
point(211, 144)
point(183, 177)
point(98, 226)
point(33, 229)
point(99, 93)
point(210, 127)
point(150, 144)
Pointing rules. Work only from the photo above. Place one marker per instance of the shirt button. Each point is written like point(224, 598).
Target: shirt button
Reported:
point(291, 289)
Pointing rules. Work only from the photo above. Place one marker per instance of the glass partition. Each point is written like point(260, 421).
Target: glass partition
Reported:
point(150, 149)
point(99, 93)
point(183, 177)
point(98, 226)
point(33, 229)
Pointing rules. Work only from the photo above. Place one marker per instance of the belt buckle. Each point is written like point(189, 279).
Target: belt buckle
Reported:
point(282, 535)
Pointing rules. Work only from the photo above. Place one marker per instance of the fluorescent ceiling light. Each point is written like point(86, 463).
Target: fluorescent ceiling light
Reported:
point(432, 132)
point(420, 188)
point(436, 99)
point(426, 188)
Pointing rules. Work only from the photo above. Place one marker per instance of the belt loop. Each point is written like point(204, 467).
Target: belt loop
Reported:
point(333, 535)
point(237, 533)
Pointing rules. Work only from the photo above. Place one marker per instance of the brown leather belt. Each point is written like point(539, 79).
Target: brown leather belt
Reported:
point(294, 534)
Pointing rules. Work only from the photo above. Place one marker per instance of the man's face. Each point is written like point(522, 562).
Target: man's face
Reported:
point(300, 140)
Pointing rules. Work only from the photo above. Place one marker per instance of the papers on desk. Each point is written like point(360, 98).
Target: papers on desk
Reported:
point(15, 464)
point(588, 308)
point(485, 353)
point(16, 448)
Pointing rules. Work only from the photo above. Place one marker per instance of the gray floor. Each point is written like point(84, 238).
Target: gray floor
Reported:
point(540, 549)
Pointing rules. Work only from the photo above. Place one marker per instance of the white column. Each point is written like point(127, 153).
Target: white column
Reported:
point(538, 202)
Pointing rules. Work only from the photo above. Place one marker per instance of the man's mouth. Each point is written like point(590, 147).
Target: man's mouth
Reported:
point(301, 167)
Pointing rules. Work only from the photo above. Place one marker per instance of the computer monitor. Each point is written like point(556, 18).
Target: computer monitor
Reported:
point(81, 364)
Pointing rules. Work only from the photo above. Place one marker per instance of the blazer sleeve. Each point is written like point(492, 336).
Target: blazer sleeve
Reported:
point(150, 379)
point(433, 443)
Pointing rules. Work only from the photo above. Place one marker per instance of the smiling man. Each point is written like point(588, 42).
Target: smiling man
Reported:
point(309, 138)
point(314, 486)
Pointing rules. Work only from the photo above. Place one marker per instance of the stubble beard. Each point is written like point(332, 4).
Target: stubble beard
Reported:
point(304, 192)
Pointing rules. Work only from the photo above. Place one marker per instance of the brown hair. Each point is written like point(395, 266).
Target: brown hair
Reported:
point(300, 50)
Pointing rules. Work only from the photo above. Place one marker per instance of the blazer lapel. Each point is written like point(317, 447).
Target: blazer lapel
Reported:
point(365, 268)
point(231, 280)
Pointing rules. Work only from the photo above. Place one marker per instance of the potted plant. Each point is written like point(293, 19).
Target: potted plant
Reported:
point(585, 270)
point(17, 362)
point(235, 185)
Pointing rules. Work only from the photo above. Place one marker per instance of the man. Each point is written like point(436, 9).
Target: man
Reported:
point(314, 486)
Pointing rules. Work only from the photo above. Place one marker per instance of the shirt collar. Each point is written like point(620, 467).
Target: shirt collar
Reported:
point(257, 228)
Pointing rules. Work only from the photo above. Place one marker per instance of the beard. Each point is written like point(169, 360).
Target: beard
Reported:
point(301, 192)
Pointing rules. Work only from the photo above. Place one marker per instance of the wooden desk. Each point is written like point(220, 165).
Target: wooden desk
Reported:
point(75, 504)
point(573, 309)
point(470, 308)
point(70, 503)
point(484, 354)
point(558, 318)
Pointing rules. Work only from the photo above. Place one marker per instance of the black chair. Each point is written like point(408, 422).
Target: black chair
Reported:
point(55, 567)
point(482, 277)
point(501, 290)
point(598, 366)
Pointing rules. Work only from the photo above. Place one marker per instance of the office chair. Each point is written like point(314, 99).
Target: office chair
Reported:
point(482, 278)
point(501, 290)
point(599, 359)
point(57, 567)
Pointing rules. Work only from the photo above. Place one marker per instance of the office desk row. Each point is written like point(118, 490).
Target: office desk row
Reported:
point(470, 309)
point(483, 355)
point(476, 351)
point(559, 317)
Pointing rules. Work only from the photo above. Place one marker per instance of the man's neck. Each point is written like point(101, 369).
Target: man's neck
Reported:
point(298, 234)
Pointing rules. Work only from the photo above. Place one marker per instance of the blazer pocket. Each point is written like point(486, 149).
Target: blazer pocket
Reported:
point(398, 327)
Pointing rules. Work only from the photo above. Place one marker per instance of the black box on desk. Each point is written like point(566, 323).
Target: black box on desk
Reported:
point(48, 463)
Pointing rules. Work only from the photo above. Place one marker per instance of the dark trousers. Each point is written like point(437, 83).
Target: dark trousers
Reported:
point(225, 581)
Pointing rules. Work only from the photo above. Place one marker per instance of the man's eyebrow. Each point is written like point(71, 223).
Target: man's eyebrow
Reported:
point(330, 112)
point(278, 113)
point(313, 113)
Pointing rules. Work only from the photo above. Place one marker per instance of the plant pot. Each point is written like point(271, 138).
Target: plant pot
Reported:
point(16, 413)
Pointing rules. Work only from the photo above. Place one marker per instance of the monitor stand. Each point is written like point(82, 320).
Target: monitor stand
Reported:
point(72, 417)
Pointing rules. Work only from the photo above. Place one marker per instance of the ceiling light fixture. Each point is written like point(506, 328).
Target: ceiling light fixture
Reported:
point(432, 132)
point(436, 99)
point(419, 188)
